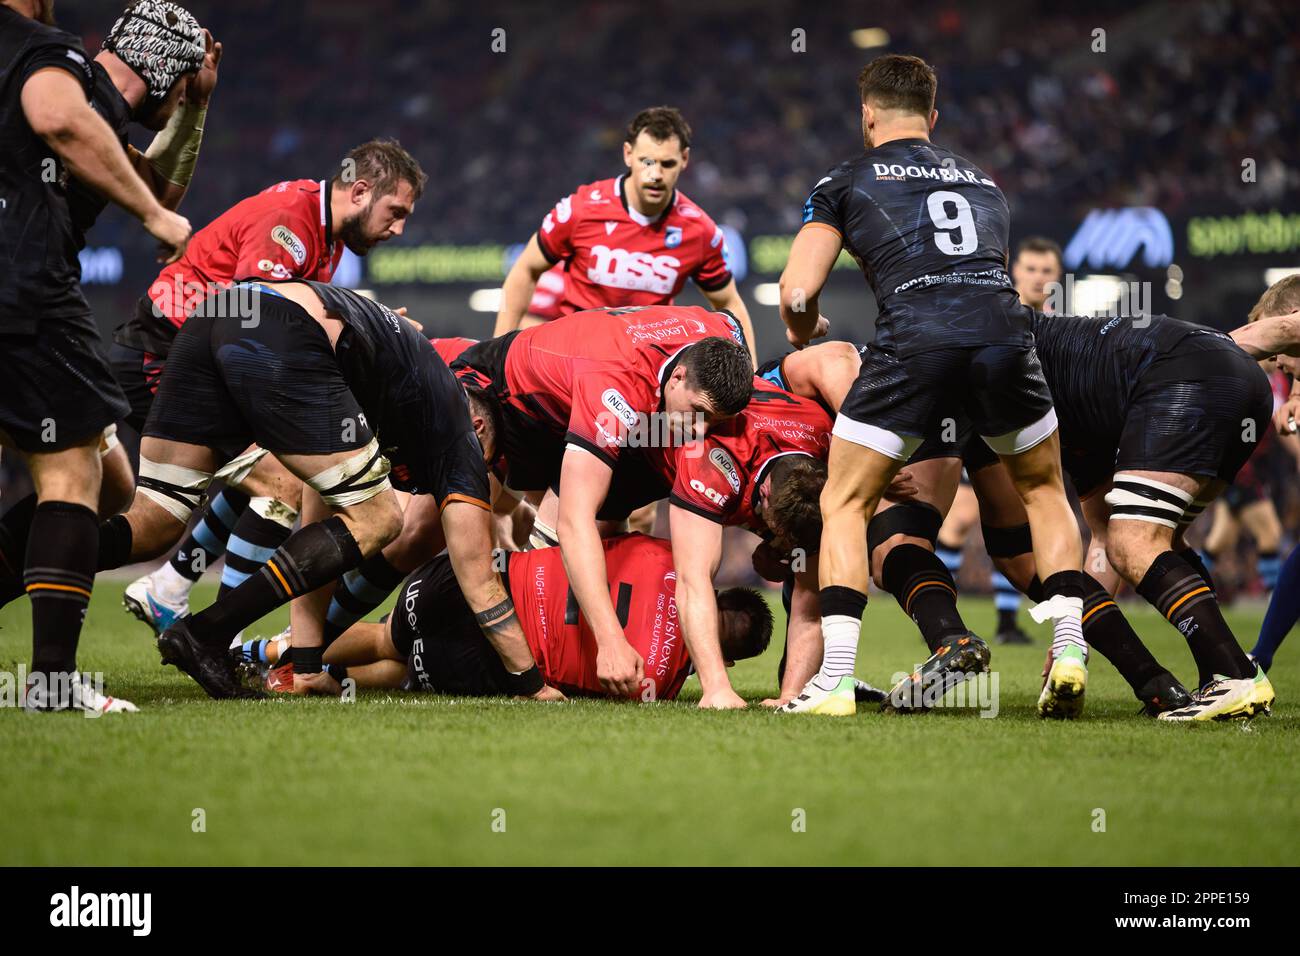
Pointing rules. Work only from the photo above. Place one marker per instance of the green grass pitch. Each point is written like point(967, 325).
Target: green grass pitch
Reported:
point(405, 779)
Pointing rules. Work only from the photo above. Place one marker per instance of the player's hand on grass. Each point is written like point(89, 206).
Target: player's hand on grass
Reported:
point(172, 232)
point(320, 683)
point(549, 694)
point(723, 698)
point(619, 668)
point(200, 86)
point(820, 330)
point(775, 702)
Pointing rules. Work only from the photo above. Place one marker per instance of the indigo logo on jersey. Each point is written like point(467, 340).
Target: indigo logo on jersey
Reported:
point(1112, 238)
point(672, 237)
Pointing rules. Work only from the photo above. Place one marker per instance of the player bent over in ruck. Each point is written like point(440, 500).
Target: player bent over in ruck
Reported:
point(337, 387)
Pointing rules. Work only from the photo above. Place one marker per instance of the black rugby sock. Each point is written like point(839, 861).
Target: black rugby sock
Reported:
point(249, 546)
point(359, 592)
point(59, 576)
point(924, 589)
point(311, 558)
point(1175, 589)
point(1106, 629)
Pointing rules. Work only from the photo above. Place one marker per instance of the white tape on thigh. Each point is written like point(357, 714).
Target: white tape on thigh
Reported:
point(1194, 511)
point(1145, 499)
point(272, 509)
point(108, 441)
point(358, 479)
point(174, 488)
point(237, 469)
point(542, 536)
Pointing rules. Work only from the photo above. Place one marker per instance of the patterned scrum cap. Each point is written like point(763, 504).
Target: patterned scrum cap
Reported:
point(160, 41)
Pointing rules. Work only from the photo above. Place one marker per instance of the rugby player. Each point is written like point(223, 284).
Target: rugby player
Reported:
point(338, 387)
point(579, 398)
point(293, 230)
point(431, 642)
point(122, 95)
point(630, 240)
point(930, 232)
point(57, 395)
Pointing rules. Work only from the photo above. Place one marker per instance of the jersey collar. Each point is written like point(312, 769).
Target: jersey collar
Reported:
point(637, 217)
point(326, 214)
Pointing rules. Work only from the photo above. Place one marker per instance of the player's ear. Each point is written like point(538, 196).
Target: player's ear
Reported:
point(627, 154)
point(934, 118)
point(686, 157)
point(360, 193)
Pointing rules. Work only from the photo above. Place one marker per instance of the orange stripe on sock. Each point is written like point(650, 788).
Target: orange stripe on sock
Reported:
point(1181, 600)
point(926, 584)
point(279, 577)
point(1103, 604)
point(57, 587)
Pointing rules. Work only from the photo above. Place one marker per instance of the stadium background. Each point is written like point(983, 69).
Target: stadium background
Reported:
point(1121, 156)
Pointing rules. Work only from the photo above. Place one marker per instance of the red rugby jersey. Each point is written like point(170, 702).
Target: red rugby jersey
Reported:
point(449, 349)
point(616, 256)
point(595, 377)
point(548, 294)
point(284, 232)
point(719, 478)
point(643, 588)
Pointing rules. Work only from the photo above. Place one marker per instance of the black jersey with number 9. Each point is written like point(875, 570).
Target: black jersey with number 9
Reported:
point(929, 230)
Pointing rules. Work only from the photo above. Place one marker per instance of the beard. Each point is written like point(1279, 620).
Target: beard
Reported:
point(353, 233)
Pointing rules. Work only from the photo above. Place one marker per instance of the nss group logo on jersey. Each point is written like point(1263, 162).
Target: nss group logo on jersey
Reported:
point(641, 271)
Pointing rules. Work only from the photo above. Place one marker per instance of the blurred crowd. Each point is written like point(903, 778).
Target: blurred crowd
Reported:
point(1135, 104)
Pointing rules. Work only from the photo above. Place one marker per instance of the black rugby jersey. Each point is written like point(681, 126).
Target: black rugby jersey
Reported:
point(39, 271)
point(415, 406)
point(1092, 364)
point(929, 230)
point(85, 203)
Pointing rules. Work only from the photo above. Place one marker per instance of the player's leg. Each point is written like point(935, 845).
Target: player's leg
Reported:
point(1013, 411)
point(1225, 530)
point(1260, 519)
point(961, 518)
point(901, 538)
point(1283, 612)
point(999, 508)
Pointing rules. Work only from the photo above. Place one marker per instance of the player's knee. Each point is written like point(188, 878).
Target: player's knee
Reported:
point(380, 523)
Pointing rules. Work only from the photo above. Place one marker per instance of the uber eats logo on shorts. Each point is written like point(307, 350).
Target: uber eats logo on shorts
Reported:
point(77, 909)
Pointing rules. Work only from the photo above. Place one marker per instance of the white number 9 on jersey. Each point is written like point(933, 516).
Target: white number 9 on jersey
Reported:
point(963, 222)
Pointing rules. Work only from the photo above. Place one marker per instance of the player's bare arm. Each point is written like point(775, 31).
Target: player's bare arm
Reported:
point(519, 286)
point(584, 482)
point(697, 552)
point(1273, 335)
point(812, 256)
point(469, 546)
point(824, 372)
point(57, 110)
point(803, 637)
point(727, 299)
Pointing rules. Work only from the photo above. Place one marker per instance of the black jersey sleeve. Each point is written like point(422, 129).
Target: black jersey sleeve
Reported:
point(825, 204)
point(68, 56)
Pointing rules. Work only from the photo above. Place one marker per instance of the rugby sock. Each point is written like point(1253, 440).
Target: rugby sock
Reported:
point(361, 591)
point(1034, 590)
point(265, 525)
point(924, 589)
point(1193, 557)
point(1269, 565)
point(1064, 606)
point(14, 528)
point(1106, 629)
point(1283, 612)
point(951, 558)
point(1175, 589)
point(311, 558)
point(59, 576)
point(115, 540)
point(1006, 599)
point(841, 622)
point(205, 543)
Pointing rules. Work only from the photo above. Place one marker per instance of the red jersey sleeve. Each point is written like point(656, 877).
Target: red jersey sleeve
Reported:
point(280, 244)
point(713, 272)
point(555, 237)
point(708, 481)
point(608, 404)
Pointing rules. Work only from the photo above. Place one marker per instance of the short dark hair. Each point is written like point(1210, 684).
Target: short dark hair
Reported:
point(662, 123)
point(721, 369)
point(1281, 298)
point(384, 164)
point(482, 402)
point(1039, 244)
point(747, 632)
point(793, 508)
point(898, 82)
